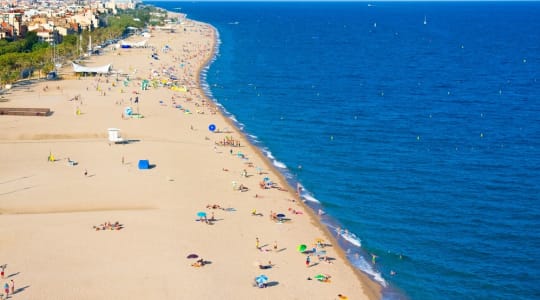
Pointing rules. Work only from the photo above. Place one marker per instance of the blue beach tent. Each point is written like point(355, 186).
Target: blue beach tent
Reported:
point(144, 164)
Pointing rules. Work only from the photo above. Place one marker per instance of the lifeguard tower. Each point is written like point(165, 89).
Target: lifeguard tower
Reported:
point(114, 136)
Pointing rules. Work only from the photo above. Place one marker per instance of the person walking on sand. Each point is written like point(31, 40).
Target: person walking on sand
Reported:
point(308, 261)
point(257, 243)
point(6, 289)
point(85, 172)
point(275, 246)
point(12, 287)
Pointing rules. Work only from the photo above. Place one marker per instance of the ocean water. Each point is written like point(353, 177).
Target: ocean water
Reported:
point(421, 139)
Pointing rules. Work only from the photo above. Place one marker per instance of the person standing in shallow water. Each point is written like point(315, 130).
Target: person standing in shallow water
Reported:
point(373, 258)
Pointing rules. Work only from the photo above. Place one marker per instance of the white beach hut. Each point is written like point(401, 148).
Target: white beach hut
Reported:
point(114, 136)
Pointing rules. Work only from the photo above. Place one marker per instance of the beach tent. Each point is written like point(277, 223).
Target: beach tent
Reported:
point(82, 69)
point(144, 164)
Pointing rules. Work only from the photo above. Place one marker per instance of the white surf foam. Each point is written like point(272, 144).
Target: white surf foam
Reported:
point(367, 267)
point(279, 164)
point(310, 198)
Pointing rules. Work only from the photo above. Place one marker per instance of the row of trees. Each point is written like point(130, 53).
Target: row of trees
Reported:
point(18, 59)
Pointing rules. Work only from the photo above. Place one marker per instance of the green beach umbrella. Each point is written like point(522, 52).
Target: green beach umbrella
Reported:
point(302, 248)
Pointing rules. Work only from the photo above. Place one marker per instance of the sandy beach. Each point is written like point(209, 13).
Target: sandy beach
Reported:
point(55, 236)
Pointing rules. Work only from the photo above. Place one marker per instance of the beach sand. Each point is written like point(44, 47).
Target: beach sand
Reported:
point(48, 210)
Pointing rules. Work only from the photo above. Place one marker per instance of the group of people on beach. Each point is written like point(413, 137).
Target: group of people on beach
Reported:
point(9, 287)
point(108, 226)
point(228, 142)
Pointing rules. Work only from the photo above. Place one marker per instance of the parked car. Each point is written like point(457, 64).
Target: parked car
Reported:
point(52, 75)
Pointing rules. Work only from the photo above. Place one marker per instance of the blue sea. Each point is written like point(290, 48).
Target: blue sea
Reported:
point(415, 126)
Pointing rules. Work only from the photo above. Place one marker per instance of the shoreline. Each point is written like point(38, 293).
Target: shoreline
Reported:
point(375, 289)
point(156, 207)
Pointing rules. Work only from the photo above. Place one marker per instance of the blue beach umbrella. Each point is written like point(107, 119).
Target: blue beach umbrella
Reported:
point(212, 127)
point(261, 279)
point(280, 216)
point(201, 214)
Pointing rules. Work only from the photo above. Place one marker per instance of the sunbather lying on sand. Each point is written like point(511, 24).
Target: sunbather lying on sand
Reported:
point(214, 206)
point(198, 263)
point(268, 266)
point(294, 211)
point(255, 213)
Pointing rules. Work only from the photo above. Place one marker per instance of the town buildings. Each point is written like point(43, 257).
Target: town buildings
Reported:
point(49, 18)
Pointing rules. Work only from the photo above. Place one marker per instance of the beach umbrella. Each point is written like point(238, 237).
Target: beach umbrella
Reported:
point(319, 240)
point(302, 248)
point(320, 253)
point(261, 279)
point(201, 214)
point(192, 255)
point(212, 127)
point(280, 216)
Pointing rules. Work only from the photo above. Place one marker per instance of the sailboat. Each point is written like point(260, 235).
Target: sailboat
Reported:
point(425, 20)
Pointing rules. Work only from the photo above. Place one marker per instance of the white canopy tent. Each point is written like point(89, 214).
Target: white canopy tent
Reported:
point(140, 44)
point(82, 69)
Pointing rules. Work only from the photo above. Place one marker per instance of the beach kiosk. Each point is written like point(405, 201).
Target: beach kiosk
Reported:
point(114, 136)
